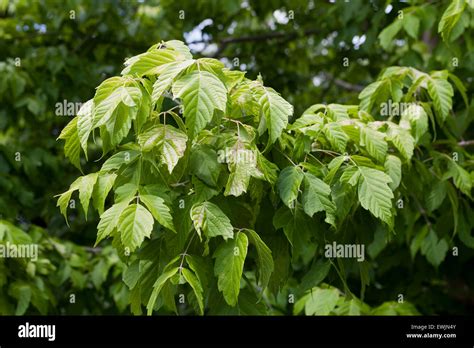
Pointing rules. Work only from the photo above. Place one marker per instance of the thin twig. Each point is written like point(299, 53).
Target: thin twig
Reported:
point(184, 255)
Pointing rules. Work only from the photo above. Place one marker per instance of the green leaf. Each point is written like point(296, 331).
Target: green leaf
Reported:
point(450, 17)
point(118, 126)
point(289, 183)
point(460, 86)
point(369, 94)
point(243, 102)
point(318, 272)
point(417, 240)
point(465, 232)
point(387, 35)
point(109, 220)
point(379, 242)
point(131, 274)
point(84, 123)
point(180, 47)
point(230, 257)
point(116, 95)
point(441, 92)
point(203, 192)
point(22, 292)
point(268, 169)
point(352, 307)
point(296, 225)
point(242, 163)
point(209, 218)
point(275, 110)
point(211, 65)
point(316, 198)
point(374, 142)
point(350, 175)
point(375, 194)
point(378, 92)
point(385, 309)
point(265, 259)
point(204, 164)
point(308, 121)
point(238, 180)
point(393, 167)
point(168, 74)
point(461, 177)
point(63, 202)
point(160, 282)
point(106, 99)
point(364, 161)
point(116, 161)
point(168, 141)
point(436, 195)
point(233, 78)
point(415, 118)
point(64, 198)
point(192, 280)
point(126, 192)
point(333, 167)
point(321, 301)
point(101, 189)
point(336, 136)
point(151, 62)
point(434, 249)
point(402, 140)
point(160, 211)
point(454, 200)
point(411, 24)
point(202, 268)
point(144, 110)
point(86, 187)
point(14, 235)
point(135, 223)
point(201, 93)
point(339, 112)
point(72, 147)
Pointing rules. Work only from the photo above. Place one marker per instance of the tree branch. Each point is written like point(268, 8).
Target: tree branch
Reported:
point(224, 42)
point(92, 250)
point(344, 84)
point(348, 86)
point(268, 36)
point(462, 143)
point(465, 143)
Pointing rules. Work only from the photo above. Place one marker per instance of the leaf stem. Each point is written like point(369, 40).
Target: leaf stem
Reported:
point(329, 152)
point(422, 211)
point(184, 254)
point(315, 159)
point(288, 158)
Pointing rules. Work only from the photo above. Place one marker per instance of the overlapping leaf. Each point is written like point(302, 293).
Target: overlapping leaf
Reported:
point(210, 219)
point(201, 93)
point(229, 264)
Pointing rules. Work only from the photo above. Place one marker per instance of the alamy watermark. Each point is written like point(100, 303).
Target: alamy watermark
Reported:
point(391, 108)
point(28, 330)
point(351, 251)
point(233, 155)
point(67, 108)
point(9, 250)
